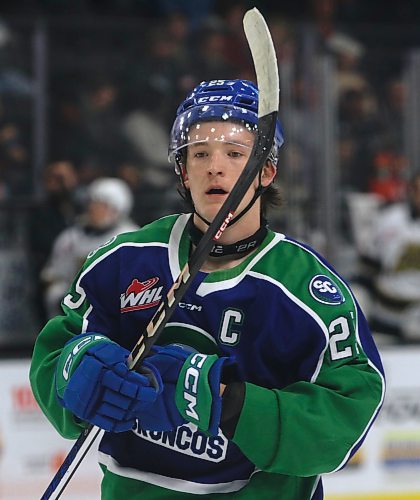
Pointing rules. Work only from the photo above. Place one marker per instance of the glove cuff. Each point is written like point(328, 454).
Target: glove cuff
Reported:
point(232, 403)
point(71, 356)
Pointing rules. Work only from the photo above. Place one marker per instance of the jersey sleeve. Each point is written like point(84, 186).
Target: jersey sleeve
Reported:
point(310, 428)
point(86, 308)
point(314, 425)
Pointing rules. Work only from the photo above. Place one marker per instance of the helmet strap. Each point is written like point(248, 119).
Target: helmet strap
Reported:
point(258, 192)
point(240, 248)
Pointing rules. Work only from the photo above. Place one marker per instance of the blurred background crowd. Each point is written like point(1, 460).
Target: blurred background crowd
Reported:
point(88, 93)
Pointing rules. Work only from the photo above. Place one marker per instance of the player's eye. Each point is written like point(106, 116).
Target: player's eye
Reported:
point(235, 154)
point(200, 154)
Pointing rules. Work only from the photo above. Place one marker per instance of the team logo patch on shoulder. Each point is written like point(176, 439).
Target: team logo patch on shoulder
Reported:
point(324, 290)
point(141, 295)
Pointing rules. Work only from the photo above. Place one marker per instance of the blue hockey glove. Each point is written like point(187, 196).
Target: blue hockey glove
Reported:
point(95, 384)
point(163, 415)
point(191, 389)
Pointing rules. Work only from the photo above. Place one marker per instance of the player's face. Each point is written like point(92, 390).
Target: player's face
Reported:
point(214, 163)
point(101, 215)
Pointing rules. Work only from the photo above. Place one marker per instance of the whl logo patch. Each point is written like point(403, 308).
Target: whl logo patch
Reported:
point(324, 290)
point(141, 295)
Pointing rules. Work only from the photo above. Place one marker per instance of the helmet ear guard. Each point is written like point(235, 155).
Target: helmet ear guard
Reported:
point(179, 162)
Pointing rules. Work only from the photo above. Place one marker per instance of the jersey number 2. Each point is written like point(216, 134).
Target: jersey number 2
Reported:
point(339, 331)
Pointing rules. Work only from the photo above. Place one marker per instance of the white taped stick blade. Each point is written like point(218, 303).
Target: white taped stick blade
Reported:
point(265, 61)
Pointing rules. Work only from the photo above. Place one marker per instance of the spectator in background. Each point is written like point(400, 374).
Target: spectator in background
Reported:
point(107, 214)
point(398, 231)
point(323, 15)
point(14, 160)
point(56, 211)
point(16, 105)
point(389, 175)
point(283, 33)
point(148, 174)
point(195, 11)
point(102, 117)
point(348, 53)
point(211, 58)
point(236, 49)
point(361, 130)
point(178, 29)
point(153, 196)
point(324, 27)
point(67, 136)
point(165, 70)
point(397, 242)
point(393, 112)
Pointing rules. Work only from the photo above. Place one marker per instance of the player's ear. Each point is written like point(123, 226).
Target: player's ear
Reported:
point(268, 173)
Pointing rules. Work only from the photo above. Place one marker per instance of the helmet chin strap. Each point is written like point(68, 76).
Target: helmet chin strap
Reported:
point(258, 192)
point(241, 247)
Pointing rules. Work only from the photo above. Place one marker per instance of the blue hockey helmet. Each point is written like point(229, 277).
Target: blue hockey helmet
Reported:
point(218, 101)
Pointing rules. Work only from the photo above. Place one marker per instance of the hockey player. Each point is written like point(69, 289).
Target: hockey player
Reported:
point(277, 380)
point(109, 203)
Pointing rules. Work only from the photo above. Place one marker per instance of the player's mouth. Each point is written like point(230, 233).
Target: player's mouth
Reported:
point(216, 191)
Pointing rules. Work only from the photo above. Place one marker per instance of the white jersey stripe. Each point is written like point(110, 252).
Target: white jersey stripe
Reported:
point(170, 482)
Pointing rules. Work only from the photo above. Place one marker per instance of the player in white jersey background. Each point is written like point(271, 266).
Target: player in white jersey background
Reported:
point(107, 213)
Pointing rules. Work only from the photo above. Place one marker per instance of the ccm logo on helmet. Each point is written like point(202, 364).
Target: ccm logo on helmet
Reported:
point(214, 98)
point(192, 376)
point(324, 290)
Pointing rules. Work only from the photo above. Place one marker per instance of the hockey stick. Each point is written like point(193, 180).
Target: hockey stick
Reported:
point(265, 63)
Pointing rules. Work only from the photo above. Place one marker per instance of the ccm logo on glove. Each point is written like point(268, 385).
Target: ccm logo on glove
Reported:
point(191, 382)
point(198, 391)
point(94, 383)
point(75, 351)
point(191, 390)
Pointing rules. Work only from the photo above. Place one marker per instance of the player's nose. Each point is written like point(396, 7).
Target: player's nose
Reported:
point(215, 165)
